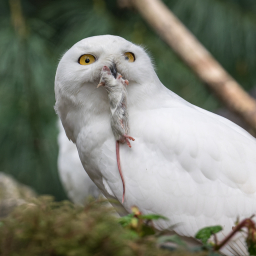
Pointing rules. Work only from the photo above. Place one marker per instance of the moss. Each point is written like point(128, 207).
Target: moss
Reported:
point(47, 228)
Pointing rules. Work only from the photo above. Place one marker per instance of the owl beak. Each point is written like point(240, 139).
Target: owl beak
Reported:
point(113, 70)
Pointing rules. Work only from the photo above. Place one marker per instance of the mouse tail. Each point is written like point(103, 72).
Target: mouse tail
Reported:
point(119, 168)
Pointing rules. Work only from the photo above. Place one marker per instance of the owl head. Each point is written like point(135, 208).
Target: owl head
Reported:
point(78, 74)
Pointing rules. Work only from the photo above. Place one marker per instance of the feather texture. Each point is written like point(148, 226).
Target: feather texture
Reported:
point(75, 180)
point(190, 165)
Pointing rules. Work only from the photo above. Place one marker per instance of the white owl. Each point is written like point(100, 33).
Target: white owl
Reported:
point(190, 165)
point(74, 179)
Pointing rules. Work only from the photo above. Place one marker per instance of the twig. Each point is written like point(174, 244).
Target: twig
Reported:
point(245, 223)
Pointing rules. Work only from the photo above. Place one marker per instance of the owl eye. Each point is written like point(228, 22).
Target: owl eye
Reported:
point(86, 59)
point(129, 56)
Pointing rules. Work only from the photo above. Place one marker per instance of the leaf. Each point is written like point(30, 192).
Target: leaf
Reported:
point(126, 220)
point(251, 248)
point(153, 217)
point(147, 231)
point(205, 233)
point(174, 238)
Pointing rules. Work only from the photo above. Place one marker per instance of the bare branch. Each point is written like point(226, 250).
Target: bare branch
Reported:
point(188, 48)
point(17, 17)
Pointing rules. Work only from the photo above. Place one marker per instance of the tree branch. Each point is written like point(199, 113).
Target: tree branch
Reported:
point(193, 53)
point(17, 17)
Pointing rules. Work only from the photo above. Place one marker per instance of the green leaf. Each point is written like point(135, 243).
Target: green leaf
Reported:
point(126, 220)
point(153, 217)
point(205, 233)
point(174, 238)
point(251, 248)
point(147, 231)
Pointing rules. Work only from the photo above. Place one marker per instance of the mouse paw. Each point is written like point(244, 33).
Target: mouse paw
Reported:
point(123, 81)
point(106, 77)
point(127, 138)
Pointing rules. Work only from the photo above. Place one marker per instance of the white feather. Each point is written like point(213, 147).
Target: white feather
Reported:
point(192, 166)
point(75, 180)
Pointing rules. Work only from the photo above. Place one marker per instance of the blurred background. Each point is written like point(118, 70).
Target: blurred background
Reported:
point(35, 33)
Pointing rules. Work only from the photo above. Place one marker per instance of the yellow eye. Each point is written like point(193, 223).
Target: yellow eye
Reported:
point(129, 56)
point(86, 59)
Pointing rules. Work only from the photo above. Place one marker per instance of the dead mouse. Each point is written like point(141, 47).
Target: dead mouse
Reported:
point(117, 94)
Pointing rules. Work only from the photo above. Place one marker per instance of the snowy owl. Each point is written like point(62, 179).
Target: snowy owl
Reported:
point(74, 179)
point(190, 165)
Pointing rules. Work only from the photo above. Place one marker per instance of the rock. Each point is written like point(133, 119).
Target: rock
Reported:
point(12, 194)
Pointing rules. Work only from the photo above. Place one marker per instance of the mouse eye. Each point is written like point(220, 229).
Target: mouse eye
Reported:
point(129, 56)
point(86, 59)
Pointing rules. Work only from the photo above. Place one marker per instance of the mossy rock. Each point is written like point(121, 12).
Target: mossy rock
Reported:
point(12, 194)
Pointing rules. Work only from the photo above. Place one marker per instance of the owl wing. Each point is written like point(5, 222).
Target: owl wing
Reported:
point(194, 167)
point(75, 180)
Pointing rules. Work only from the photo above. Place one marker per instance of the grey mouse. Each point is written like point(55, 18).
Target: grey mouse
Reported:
point(117, 94)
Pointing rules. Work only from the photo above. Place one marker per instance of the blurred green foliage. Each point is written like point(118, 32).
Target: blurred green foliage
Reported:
point(34, 34)
point(141, 225)
point(204, 234)
point(47, 228)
